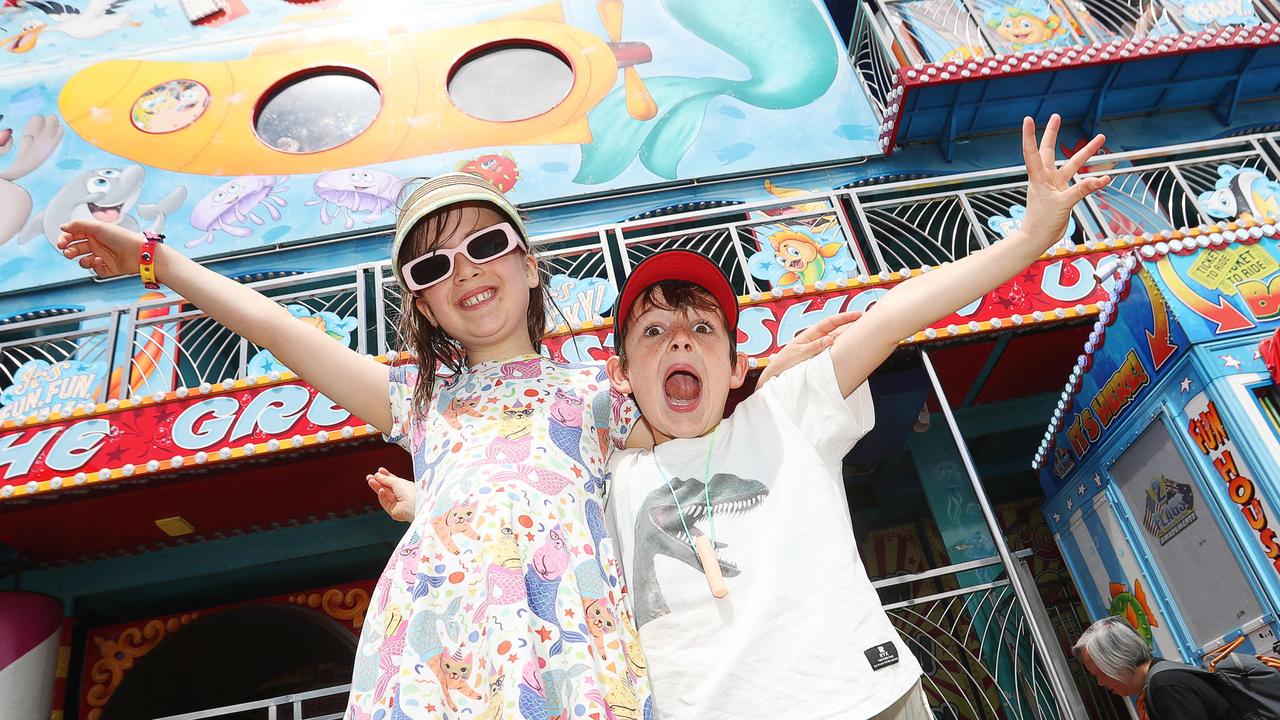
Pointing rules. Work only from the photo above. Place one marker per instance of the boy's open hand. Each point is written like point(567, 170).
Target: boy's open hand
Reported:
point(1050, 192)
point(396, 495)
point(104, 248)
point(810, 342)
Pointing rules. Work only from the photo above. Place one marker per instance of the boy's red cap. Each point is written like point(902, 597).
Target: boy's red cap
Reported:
point(675, 264)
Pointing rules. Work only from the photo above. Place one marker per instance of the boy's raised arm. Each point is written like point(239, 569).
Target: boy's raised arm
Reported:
point(924, 299)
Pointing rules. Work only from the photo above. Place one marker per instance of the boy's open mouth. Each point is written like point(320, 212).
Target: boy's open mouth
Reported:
point(683, 389)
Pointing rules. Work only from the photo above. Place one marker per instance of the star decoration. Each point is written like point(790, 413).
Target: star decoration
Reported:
point(1057, 518)
point(1230, 361)
point(431, 708)
point(1068, 503)
point(1097, 479)
point(577, 472)
point(114, 455)
point(530, 536)
point(1185, 385)
point(512, 657)
point(544, 634)
point(1080, 489)
point(468, 607)
point(568, 612)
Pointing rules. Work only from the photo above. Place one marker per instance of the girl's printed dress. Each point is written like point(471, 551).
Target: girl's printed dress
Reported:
point(504, 599)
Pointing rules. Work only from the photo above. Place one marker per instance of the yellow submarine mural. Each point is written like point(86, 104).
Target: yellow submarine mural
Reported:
point(281, 121)
point(199, 117)
point(203, 117)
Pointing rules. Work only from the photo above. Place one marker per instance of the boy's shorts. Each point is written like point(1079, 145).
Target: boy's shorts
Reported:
point(912, 706)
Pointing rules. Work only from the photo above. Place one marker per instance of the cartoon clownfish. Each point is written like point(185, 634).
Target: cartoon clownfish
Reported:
point(800, 256)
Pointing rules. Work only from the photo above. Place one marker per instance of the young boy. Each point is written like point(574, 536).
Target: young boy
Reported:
point(800, 632)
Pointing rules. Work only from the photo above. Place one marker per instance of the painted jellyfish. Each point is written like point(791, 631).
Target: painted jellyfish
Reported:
point(355, 191)
point(234, 202)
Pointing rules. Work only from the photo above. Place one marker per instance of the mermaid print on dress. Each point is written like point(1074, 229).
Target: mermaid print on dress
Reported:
point(502, 600)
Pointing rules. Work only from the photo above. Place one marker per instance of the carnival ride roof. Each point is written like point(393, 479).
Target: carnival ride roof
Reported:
point(1185, 288)
point(942, 101)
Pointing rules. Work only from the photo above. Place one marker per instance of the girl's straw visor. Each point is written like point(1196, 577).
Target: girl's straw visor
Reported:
point(442, 191)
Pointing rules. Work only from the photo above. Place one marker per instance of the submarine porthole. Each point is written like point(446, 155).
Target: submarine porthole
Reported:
point(317, 111)
point(169, 106)
point(510, 82)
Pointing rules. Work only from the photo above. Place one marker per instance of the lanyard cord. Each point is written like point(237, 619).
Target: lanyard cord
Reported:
point(706, 493)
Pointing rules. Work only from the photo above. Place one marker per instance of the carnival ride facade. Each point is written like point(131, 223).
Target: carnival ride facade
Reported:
point(170, 494)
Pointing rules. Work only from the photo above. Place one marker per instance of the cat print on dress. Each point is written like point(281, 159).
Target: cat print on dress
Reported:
point(493, 711)
point(511, 444)
point(566, 423)
point(454, 672)
point(457, 519)
point(566, 432)
point(542, 584)
point(600, 623)
point(504, 581)
point(460, 406)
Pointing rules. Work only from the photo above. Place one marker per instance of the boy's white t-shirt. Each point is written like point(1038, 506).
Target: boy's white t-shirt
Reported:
point(801, 633)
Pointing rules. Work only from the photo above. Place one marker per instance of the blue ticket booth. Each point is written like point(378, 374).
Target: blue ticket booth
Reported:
point(1161, 464)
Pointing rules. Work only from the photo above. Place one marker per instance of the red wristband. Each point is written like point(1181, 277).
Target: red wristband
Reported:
point(147, 259)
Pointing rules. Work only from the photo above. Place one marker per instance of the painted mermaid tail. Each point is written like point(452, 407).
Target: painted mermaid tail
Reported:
point(595, 522)
point(787, 47)
point(542, 692)
point(542, 601)
point(504, 586)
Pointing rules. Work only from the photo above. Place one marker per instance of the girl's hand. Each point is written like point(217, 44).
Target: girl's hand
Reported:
point(807, 344)
point(1050, 193)
point(104, 248)
point(396, 495)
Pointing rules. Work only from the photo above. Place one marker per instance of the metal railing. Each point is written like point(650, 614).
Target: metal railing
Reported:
point(310, 705)
point(161, 345)
point(972, 641)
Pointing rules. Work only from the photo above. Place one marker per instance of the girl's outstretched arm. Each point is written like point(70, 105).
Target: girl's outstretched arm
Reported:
point(355, 382)
point(924, 299)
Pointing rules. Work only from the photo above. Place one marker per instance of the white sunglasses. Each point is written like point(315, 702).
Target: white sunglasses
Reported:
point(479, 247)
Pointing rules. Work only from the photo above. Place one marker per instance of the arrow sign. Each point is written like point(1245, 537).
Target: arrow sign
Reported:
point(1159, 342)
point(1222, 313)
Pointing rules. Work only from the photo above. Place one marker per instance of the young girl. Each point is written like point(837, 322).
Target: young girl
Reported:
point(502, 599)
